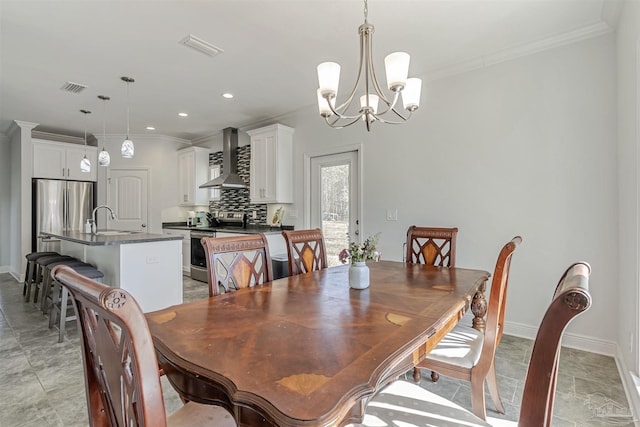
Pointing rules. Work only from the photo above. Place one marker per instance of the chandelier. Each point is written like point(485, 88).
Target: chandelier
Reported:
point(397, 69)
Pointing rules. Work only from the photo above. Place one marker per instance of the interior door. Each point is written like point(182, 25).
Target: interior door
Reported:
point(127, 195)
point(335, 200)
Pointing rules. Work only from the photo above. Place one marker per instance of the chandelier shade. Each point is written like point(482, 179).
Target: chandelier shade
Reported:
point(397, 70)
point(127, 148)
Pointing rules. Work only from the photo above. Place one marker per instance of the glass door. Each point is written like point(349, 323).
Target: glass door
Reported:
point(335, 200)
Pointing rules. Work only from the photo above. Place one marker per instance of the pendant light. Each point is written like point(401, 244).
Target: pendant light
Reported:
point(104, 159)
point(85, 164)
point(127, 144)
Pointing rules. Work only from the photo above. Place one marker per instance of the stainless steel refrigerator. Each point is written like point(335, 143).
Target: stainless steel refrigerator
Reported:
point(59, 206)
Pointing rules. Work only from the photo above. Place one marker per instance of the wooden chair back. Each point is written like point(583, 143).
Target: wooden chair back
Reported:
point(237, 262)
point(570, 299)
point(305, 250)
point(120, 365)
point(497, 304)
point(431, 246)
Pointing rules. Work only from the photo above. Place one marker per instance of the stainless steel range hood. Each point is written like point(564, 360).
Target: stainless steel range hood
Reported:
point(229, 178)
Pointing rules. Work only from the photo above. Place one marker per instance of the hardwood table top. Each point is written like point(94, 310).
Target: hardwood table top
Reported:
point(308, 350)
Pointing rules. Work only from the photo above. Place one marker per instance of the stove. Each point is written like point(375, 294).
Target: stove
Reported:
point(218, 219)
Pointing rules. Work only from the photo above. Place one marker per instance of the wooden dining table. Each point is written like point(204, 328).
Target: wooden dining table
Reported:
point(308, 350)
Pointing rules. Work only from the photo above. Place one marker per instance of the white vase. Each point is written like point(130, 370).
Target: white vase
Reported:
point(359, 275)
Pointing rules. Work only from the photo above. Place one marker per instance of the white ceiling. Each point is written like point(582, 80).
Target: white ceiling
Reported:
point(271, 50)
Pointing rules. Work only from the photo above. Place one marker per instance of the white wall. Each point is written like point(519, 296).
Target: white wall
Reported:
point(159, 155)
point(628, 77)
point(523, 147)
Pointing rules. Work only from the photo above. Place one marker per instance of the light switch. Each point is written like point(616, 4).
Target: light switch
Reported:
point(392, 214)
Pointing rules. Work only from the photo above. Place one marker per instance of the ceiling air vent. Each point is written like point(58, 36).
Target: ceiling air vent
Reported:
point(73, 87)
point(201, 46)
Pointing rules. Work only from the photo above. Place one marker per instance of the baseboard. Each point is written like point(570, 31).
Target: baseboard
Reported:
point(4, 268)
point(631, 384)
point(577, 341)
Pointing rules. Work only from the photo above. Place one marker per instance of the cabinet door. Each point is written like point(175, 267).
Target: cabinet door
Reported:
point(257, 169)
point(49, 161)
point(186, 177)
point(74, 155)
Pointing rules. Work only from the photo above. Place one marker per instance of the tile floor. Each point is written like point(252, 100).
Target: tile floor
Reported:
point(42, 382)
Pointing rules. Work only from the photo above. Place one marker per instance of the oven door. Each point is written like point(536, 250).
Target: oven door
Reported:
point(198, 257)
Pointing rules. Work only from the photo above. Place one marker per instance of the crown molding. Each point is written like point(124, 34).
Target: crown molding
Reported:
point(595, 30)
point(18, 125)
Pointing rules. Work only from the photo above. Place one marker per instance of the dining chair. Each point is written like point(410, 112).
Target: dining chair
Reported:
point(305, 250)
point(237, 262)
point(120, 366)
point(468, 354)
point(404, 403)
point(431, 246)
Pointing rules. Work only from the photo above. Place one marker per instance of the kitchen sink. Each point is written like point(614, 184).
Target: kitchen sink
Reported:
point(113, 233)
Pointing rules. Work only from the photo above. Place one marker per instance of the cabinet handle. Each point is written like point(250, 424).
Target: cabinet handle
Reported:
point(62, 171)
point(68, 172)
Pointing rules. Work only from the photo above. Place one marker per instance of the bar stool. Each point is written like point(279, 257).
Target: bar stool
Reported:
point(61, 302)
point(40, 264)
point(47, 280)
point(30, 272)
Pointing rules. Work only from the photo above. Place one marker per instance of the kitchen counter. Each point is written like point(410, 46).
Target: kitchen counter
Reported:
point(148, 266)
point(252, 229)
point(110, 239)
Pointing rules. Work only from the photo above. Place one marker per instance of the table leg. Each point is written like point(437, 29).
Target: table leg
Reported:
point(479, 308)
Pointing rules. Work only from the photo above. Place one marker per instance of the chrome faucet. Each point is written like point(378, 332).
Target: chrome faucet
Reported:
point(94, 226)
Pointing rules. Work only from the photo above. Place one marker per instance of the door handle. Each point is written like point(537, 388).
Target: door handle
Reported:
point(144, 225)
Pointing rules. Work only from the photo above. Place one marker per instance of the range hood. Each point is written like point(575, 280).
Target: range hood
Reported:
point(229, 178)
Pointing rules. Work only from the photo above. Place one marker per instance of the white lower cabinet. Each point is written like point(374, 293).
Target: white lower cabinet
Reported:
point(186, 247)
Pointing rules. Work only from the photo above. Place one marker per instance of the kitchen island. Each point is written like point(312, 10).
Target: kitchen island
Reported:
point(146, 265)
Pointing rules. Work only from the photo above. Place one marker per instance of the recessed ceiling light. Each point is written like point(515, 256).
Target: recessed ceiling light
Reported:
point(183, 114)
point(227, 95)
point(150, 128)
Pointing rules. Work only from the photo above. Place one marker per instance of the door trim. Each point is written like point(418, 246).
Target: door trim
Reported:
point(358, 148)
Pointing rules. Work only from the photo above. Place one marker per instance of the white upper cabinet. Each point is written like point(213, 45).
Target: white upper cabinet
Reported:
point(193, 171)
point(271, 164)
point(59, 160)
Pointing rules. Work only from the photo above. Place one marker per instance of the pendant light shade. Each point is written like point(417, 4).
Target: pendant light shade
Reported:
point(127, 146)
point(104, 159)
point(85, 164)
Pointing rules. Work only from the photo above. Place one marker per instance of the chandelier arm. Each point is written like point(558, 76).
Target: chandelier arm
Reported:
point(340, 126)
point(389, 122)
point(391, 106)
point(376, 85)
point(340, 115)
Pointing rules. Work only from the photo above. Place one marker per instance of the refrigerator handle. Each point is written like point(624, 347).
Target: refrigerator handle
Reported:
point(65, 204)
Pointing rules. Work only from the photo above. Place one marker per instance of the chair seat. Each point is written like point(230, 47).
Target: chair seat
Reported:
point(461, 347)
point(195, 415)
point(405, 404)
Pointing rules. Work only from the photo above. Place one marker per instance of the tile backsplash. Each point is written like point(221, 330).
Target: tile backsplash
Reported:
point(238, 200)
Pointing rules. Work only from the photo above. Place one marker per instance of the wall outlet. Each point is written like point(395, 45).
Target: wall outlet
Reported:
point(153, 260)
point(392, 214)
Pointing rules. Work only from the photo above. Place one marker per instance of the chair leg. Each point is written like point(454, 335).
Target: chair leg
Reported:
point(477, 397)
point(38, 282)
point(63, 313)
point(434, 376)
point(55, 304)
point(417, 374)
point(492, 385)
point(46, 290)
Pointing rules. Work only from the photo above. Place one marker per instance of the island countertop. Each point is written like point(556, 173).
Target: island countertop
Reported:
point(113, 237)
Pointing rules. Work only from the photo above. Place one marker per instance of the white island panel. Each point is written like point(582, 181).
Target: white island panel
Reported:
point(151, 271)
